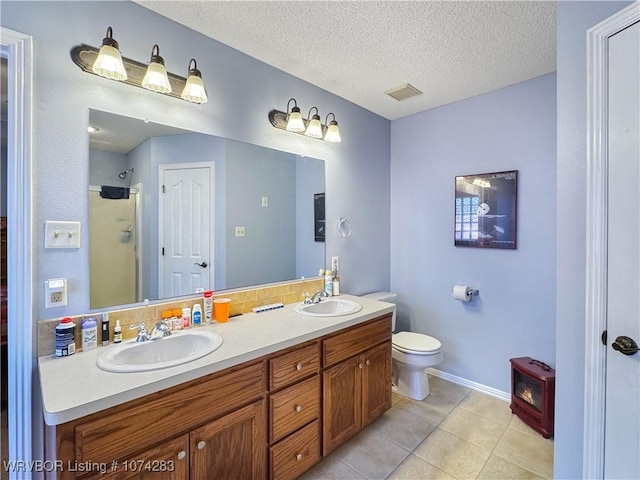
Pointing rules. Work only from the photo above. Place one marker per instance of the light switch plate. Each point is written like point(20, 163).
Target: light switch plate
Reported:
point(61, 234)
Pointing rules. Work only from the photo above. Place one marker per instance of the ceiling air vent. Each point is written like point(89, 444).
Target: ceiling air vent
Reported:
point(403, 92)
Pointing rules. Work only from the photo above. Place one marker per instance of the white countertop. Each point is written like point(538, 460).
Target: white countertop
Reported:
point(72, 387)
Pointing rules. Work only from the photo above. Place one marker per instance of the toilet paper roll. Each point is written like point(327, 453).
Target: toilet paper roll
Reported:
point(462, 293)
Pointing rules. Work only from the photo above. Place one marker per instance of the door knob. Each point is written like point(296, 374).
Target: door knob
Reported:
point(625, 345)
point(203, 264)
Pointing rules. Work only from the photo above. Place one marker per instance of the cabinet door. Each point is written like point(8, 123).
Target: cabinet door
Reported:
point(232, 447)
point(168, 461)
point(342, 397)
point(376, 383)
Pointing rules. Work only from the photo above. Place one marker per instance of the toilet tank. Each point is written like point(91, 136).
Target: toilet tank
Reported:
point(385, 297)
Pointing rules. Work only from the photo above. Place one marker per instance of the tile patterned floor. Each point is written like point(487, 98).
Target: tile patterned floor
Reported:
point(455, 433)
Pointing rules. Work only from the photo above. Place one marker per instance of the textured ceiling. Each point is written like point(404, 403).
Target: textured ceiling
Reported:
point(450, 50)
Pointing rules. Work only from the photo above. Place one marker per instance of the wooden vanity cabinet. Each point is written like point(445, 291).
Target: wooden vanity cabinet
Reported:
point(222, 412)
point(356, 380)
point(294, 411)
point(232, 446)
point(167, 461)
point(274, 417)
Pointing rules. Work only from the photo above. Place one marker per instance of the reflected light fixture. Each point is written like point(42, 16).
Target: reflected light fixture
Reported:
point(194, 88)
point(294, 122)
point(156, 77)
point(109, 64)
point(314, 127)
point(332, 134)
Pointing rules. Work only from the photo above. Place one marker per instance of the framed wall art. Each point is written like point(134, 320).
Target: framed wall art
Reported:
point(485, 210)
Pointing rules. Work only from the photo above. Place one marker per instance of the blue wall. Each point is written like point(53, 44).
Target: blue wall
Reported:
point(509, 129)
point(265, 253)
point(574, 19)
point(241, 92)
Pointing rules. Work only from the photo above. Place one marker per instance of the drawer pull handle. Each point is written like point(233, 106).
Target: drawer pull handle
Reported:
point(298, 408)
point(181, 454)
point(201, 444)
point(360, 365)
point(299, 366)
point(299, 457)
point(368, 362)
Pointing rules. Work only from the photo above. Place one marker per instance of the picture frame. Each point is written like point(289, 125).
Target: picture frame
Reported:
point(485, 210)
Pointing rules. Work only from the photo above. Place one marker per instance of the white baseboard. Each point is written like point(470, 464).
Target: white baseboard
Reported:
point(478, 387)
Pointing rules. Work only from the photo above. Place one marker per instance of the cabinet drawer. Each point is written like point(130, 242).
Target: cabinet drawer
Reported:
point(296, 453)
point(114, 436)
point(356, 340)
point(293, 366)
point(293, 407)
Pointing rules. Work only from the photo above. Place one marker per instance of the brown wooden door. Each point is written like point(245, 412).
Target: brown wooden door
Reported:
point(342, 403)
point(376, 381)
point(233, 447)
point(168, 461)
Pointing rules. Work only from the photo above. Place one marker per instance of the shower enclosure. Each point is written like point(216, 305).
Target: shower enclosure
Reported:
point(113, 249)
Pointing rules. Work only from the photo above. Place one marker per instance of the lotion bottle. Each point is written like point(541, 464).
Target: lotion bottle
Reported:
point(196, 315)
point(328, 282)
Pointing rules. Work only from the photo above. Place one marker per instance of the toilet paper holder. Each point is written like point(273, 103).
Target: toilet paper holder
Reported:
point(464, 293)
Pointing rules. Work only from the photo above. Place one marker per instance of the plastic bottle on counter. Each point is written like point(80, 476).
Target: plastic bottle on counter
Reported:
point(207, 300)
point(89, 328)
point(336, 285)
point(196, 315)
point(328, 282)
point(166, 317)
point(177, 318)
point(186, 317)
point(117, 332)
point(65, 338)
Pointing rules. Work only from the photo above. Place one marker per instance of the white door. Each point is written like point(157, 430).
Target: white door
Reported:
point(186, 229)
point(622, 415)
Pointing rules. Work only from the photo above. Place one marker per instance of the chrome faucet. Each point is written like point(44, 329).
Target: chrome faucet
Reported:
point(160, 330)
point(143, 335)
point(315, 298)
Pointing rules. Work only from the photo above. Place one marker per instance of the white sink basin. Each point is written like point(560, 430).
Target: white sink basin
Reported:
point(166, 352)
point(332, 307)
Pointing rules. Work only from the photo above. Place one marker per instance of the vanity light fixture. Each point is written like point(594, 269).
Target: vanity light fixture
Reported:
point(332, 134)
point(292, 121)
point(156, 77)
point(314, 127)
point(194, 89)
point(107, 62)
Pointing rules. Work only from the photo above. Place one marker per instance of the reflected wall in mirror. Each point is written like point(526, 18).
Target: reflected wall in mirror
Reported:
point(172, 211)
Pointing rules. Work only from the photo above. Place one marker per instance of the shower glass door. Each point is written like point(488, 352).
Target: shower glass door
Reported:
point(112, 249)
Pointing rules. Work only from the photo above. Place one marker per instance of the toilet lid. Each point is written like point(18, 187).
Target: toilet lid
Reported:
point(417, 343)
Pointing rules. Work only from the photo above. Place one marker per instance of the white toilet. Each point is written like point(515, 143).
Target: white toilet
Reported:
point(412, 354)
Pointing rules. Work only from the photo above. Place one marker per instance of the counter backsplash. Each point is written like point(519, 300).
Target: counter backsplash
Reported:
point(242, 301)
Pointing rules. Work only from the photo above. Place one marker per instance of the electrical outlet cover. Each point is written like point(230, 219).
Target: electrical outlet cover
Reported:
point(55, 293)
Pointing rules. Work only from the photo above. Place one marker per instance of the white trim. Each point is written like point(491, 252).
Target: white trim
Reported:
point(596, 240)
point(478, 387)
point(21, 352)
point(182, 166)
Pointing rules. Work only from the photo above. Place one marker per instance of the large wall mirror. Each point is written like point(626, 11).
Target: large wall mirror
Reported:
point(172, 212)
